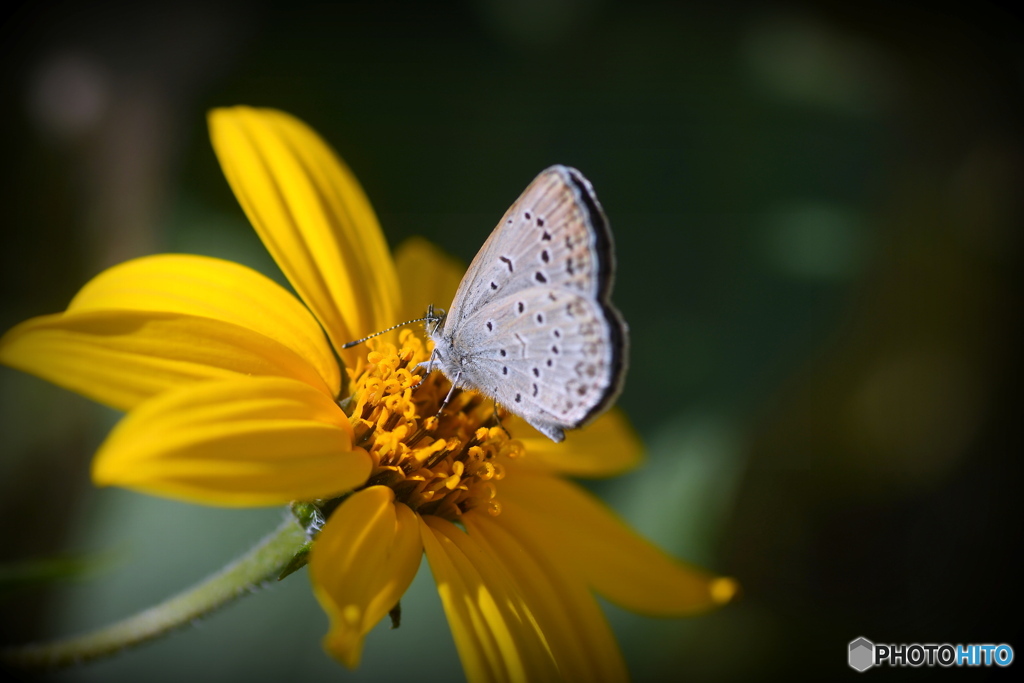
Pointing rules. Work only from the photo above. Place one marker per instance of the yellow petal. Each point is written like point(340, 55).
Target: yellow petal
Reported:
point(123, 357)
point(495, 634)
point(237, 442)
point(363, 560)
point(213, 288)
point(427, 276)
point(313, 216)
point(604, 448)
point(612, 558)
point(576, 630)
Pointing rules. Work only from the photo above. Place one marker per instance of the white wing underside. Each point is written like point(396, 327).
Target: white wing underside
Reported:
point(531, 324)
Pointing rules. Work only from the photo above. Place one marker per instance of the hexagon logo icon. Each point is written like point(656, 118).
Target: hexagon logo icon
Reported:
point(862, 654)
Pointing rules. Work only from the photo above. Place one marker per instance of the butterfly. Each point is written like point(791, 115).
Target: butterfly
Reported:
point(532, 325)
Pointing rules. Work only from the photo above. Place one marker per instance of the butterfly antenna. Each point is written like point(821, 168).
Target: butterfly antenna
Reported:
point(378, 334)
point(431, 317)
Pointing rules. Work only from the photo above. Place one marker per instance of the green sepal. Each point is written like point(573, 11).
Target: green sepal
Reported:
point(298, 561)
point(309, 515)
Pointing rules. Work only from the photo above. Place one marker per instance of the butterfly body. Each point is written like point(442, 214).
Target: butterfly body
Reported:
point(531, 324)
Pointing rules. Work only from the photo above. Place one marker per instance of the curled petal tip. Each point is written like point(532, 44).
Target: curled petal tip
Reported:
point(345, 645)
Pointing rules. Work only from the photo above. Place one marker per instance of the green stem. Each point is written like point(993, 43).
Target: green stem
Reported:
point(262, 563)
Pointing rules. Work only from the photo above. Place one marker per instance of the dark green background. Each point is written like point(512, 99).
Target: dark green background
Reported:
point(817, 210)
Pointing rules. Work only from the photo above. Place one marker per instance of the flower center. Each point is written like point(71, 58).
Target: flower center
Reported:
point(439, 465)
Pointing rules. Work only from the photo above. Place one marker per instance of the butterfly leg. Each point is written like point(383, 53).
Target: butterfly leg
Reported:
point(427, 365)
point(444, 403)
point(497, 420)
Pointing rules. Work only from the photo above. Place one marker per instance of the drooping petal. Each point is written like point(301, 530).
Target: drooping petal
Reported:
point(613, 559)
point(213, 288)
point(313, 216)
point(362, 562)
point(495, 634)
point(427, 276)
point(606, 447)
point(576, 630)
point(123, 357)
point(237, 442)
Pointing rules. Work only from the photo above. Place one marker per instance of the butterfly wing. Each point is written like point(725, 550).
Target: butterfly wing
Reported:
point(552, 356)
point(555, 234)
point(531, 323)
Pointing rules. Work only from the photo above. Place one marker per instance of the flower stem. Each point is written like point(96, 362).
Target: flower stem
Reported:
point(263, 562)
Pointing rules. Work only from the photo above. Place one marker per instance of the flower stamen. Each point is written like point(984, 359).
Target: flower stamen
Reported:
point(436, 463)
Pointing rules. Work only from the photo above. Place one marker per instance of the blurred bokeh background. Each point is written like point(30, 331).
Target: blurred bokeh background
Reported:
point(818, 212)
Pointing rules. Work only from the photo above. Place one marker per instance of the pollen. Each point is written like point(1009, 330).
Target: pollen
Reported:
point(439, 464)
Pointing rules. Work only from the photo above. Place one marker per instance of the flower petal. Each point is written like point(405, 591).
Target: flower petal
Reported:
point(576, 630)
point(362, 562)
point(604, 448)
point(123, 357)
point(495, 634)
point(213, 288)
point(313, 216)
point(237, 442)
point(427, 276)
point(613, 559)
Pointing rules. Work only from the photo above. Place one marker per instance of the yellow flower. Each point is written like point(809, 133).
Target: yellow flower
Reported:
point(235, 396)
